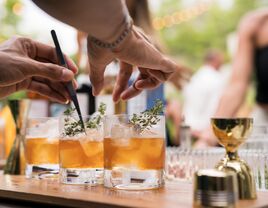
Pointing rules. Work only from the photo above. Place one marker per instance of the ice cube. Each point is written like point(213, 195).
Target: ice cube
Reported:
point(119, 131)
point(90, 147)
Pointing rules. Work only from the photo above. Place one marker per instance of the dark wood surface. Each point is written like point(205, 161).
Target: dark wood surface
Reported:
point(50, 192)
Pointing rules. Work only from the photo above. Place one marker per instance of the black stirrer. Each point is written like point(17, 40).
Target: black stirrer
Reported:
point(69, 84)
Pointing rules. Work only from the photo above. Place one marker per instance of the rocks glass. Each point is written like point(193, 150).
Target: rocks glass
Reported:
point(81, 153)
point(134, 158)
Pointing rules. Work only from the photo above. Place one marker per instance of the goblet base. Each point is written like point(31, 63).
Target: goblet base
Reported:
point(245, 178)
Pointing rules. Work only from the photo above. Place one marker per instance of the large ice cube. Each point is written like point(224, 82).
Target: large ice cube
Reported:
point(119, 131)
point(48, 129)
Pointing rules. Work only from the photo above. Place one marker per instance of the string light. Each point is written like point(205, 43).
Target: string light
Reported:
point(176, 18)
point(17, 8)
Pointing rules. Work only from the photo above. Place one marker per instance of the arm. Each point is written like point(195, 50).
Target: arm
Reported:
point(102, 19)
point(234, 94)
point(108, 21)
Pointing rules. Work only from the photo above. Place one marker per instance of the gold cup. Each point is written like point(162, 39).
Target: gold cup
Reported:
point(231, 133)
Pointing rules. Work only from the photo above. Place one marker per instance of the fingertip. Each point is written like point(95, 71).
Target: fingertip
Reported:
point(95, 92)
point(75, 84)
point(139, 84)
point(123, 97)
point(116, 99)
point(71, 65)
point(67, 75)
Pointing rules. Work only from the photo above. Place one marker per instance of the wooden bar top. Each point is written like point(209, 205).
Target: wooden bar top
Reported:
point(50, 192)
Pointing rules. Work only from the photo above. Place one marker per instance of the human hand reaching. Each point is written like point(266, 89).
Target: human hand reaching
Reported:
point(134, 50)
point(30, 65)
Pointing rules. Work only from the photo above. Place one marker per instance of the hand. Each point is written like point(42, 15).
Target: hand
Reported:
point(30, 65)
point(135, 50)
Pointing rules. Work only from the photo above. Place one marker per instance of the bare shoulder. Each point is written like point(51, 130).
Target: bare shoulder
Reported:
point(253, 22)
point(262, 35)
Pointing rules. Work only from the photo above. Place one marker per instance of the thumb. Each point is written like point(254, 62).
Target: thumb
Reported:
point(50, 71)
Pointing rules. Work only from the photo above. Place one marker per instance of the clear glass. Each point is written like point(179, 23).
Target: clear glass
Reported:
point(81, 155)
point(42, 147)
point(133, 159)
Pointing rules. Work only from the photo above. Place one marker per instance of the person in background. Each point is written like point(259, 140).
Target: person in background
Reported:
point(111, 35)
point(251, 58)
point(33, 66)
point(203, 92)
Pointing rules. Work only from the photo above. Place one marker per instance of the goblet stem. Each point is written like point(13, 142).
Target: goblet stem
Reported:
point(232, 155)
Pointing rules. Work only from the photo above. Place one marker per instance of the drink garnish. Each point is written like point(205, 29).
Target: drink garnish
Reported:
point(95, 121)
point(73, 127)
point(148, 118)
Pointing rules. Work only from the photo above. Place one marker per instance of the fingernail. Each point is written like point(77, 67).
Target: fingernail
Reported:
point(66, 75)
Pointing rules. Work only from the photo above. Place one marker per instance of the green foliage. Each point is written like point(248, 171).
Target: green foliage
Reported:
point(8, 19)
point(190, 40)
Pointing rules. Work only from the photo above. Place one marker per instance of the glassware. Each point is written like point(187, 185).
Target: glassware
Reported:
point(231, 133)
point(134, 159)
point(81, 155)
point(42, 147)
point(177, 163)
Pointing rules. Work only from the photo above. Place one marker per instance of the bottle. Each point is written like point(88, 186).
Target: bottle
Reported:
point(185, 135)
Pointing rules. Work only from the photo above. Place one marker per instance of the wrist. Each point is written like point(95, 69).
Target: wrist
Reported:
point(118, 37)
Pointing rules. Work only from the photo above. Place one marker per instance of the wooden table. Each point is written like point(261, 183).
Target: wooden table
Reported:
point(50, 192)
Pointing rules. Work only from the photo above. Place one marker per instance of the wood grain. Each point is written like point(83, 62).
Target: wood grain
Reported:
point(50, 192)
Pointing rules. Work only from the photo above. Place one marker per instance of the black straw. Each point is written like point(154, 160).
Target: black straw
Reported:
point(69, 84)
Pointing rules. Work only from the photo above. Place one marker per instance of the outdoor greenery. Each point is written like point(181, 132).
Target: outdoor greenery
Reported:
point(190, 40)
point(9, 19)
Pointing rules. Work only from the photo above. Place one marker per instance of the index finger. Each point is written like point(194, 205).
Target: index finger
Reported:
point(49, 54)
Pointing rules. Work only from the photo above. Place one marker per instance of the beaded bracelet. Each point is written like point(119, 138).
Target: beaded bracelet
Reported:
point(114, 44)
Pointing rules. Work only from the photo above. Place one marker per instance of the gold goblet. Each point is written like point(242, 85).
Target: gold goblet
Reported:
point(231, 133)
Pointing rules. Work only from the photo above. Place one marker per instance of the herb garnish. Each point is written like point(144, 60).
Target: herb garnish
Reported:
point(95, 121)
point(73, 127)
point(148, 118)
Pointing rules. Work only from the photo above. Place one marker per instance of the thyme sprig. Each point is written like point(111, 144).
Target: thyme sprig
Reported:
point(148, 118)
point(73, 127)
point(95, 121)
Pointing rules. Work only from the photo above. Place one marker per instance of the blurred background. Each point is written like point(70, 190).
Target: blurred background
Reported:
point(192, 32)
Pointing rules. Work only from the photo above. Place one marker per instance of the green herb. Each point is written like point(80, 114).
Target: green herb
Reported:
point(95, 121)
point(148, 118)
point(69, 111)
point(73, 127)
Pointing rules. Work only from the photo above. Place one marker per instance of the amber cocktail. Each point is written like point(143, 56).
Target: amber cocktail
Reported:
point(134, 159)
point(143, 153)
point(42, 147)
point(88, 153)
point(42, 151)
point(81, 153)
